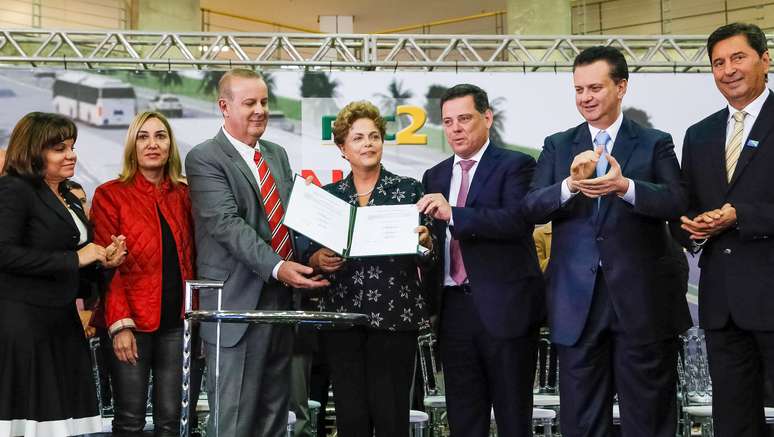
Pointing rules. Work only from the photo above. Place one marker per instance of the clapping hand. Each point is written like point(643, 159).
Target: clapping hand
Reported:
point(709, 223)
point(612, 182)
point(115, 254)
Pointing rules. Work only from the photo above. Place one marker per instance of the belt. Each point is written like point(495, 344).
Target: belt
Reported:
point(464, 288)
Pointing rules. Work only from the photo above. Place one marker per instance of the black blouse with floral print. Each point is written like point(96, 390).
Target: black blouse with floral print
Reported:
point(387, 289)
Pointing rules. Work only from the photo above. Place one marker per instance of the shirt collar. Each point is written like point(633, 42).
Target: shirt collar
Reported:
point(612, 130)
point(476, 157)
point(240, 146)
point(754, 108)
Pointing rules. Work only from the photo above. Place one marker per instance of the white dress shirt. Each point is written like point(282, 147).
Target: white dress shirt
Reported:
point(752, 110)
point(248, 155)
point(454, 190)
point(612, 130)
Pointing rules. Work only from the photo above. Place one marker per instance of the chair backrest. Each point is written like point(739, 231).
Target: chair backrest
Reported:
point(693, 369)
point(547, 369)
point(430, 364)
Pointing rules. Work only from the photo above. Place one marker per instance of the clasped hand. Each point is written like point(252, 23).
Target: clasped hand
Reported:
point(584, 166)
point(709, 223)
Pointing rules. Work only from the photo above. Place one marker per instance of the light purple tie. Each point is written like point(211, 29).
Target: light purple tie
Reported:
point(456, 266)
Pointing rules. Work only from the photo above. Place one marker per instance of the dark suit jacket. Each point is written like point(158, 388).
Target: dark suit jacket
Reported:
point(495, 240)
point(632, 242)
point(737, 266)
point(38, 244)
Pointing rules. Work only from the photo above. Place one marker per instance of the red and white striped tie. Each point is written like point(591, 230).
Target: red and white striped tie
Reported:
point(280, 236)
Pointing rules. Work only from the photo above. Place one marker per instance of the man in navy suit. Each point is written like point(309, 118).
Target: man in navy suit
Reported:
point(616, 304)
point(728, 162)
point(488, 277)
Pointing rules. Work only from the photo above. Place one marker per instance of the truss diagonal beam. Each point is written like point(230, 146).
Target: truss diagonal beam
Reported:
point(24, 48)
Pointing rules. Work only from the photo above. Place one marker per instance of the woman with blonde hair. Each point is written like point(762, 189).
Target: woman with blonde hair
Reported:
point(149, 204)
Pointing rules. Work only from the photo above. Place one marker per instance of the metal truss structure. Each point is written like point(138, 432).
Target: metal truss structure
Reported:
point(135, 50)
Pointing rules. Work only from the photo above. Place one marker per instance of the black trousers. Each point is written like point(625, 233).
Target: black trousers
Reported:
point(482, 371)
point(739, 362)
point(161, 353)
point(604, 362)
point(371, 372)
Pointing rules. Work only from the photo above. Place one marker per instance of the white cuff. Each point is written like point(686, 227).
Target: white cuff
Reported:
point(276, 268)
point(566, 193)
point(121, 324)
point(629, 196)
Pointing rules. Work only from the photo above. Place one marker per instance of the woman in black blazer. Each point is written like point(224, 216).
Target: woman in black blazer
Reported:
point(46, 386)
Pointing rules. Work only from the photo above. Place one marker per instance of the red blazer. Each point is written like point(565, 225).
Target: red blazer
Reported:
point(133, 298)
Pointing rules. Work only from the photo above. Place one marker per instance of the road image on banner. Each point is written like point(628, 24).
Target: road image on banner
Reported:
point(97, 100)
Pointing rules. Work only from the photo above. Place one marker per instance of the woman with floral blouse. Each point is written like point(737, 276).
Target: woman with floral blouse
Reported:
point(372, 366)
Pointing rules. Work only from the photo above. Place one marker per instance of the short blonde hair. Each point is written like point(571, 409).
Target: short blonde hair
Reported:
point(173, 168)
point(352, 113)
point(224, 92)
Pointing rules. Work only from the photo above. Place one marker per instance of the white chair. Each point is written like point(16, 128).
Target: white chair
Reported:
point(291, 423)
point(314, 411)
point(541, 417)
point(418, 423)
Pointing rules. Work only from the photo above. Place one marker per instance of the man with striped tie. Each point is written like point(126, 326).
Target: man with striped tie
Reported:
point(616, 303)
point(728, 161)
point(239, 185)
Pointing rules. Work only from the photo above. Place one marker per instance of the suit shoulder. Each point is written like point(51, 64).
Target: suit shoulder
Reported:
point(15, 183)
point(440, 165)
point(514, 155)
point(650, 133)
point(565, 136)
point(272, 146)
point(708, 121)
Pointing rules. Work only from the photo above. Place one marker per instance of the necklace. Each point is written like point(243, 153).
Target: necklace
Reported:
point(364, 194)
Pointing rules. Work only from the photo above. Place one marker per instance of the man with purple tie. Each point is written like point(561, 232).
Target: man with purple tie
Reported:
point(487, 285)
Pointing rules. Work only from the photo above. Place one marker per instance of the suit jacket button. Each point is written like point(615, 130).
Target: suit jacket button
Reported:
point(727, 251)
point(600, 238)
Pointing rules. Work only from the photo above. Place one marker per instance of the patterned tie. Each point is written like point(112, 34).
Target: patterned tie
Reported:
point(600, 141)
point(734, 146)
point(280, 237)
point(456, 266)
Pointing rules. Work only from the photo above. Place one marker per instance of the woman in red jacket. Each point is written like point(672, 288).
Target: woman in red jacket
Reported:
point(149, 204)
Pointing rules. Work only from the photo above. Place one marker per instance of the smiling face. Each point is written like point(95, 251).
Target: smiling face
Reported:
point(152, 145)
point(466, 129)
point(739, 71)
point(363, 145)
point(597, 96)
point(59, 161)
point(245, 108)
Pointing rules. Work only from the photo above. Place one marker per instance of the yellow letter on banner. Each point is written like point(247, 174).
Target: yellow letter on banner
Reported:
point(409, 135)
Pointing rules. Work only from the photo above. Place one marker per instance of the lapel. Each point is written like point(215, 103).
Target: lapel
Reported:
point(624, 145)
point(236, 159)
point(275, 168)
point(711, 158)
point(443, 176)
point(484, 170)
point(581, 142)
point(49, 199)
point(77, 208)
point(760, 130)
point(441, 182)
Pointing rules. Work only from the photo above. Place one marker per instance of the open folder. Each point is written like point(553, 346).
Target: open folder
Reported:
point(348, 230)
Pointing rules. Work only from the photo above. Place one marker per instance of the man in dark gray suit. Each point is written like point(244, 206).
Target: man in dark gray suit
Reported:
point(238, 187)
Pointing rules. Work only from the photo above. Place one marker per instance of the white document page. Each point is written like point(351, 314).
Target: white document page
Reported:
point(385, 230)
point(319, 215)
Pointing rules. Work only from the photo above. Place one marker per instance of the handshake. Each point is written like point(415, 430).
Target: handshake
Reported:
point(584, 166)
